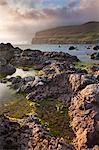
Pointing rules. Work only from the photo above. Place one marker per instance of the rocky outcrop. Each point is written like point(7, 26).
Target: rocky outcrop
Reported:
point(6, 68)
point(28, 135)
point(6, 51)
point(60, 80)
point(84, 110)
point(95, 56)
point(39, 59)
point(96, 47)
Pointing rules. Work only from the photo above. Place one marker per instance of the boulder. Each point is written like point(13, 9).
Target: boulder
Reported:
point(6, 69)
point(96, 47)
point(72, 48)
point(84, 110)
point(95, 56)
point(6, 51)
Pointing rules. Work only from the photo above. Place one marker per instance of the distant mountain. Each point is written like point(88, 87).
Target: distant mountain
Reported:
point(85, 33)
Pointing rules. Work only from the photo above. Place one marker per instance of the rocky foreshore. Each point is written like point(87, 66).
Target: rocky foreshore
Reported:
point(58, 79)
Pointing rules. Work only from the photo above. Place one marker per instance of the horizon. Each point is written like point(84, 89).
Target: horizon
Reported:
point(20, 20)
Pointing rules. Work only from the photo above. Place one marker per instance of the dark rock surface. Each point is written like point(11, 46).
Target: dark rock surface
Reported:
point(72, 48)
point(96, 47)
point(6, 68)
point(95, 56)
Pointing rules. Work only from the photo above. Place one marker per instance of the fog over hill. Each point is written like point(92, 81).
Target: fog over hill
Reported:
point(84, 33)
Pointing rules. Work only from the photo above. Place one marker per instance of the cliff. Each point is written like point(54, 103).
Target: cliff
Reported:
point(85, 33)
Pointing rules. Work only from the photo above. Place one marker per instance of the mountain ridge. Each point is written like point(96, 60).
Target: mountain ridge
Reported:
point(84, 33)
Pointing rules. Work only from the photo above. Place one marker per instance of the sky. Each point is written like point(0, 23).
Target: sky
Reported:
point(20, 19)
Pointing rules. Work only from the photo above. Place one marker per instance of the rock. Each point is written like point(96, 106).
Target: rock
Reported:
point(28, 79)
point(95, 56)
point(28, 135)
point(94, 68)
point(6, 69)
point(6, 51)
point(72, 48)
point(36, 81)
point(4, 80)
point(91, 93)
point(16, 79)
point(88, 47)
point(3, 62)
point(80, 81)
point(96, 47)
point(84, 108)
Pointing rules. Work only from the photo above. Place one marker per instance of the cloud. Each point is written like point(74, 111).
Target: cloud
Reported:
point(19, 20)
point(73, 3)
point(3, 2)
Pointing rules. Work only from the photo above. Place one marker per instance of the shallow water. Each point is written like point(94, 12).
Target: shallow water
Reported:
point(22, 73)
point(81, 52)
point(8, 94)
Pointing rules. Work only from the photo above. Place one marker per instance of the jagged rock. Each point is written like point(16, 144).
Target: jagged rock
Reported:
point(79, 81)
point(85, 120)
point(28, 135)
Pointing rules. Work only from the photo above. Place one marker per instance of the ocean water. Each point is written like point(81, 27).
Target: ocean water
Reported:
point(81, 52)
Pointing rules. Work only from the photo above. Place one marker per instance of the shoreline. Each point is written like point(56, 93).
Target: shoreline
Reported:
point(72, 91)
point(70, 42)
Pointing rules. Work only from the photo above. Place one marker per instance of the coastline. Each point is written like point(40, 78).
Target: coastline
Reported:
point(64, 98)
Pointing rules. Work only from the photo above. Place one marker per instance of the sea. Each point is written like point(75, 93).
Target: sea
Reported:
point(81, 51)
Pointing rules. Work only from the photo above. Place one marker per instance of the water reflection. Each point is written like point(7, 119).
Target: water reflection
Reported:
point(6, 93)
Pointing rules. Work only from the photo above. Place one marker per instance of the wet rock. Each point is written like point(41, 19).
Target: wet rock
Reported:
point(96, 47)
point(6, 69)
point(95, 56)
point(16, 79)
point(6, 51)
point(28, 79)
point(72, 48)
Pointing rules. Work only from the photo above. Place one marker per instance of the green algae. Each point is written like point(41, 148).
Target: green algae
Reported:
point(18, 108)
point(84, 65)
point(54, 116)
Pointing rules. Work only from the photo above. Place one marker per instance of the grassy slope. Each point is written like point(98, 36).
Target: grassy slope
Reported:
point(88, 32)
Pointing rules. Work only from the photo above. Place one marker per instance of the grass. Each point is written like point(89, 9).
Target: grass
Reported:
point(77, 38)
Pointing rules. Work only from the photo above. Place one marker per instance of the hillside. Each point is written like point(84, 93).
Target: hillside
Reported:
point(85, 33)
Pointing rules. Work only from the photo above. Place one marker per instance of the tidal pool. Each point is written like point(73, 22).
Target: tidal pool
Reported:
point(22, 73)
point(12, 104)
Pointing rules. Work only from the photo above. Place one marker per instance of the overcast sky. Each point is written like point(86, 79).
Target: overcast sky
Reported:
point(20, 19)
